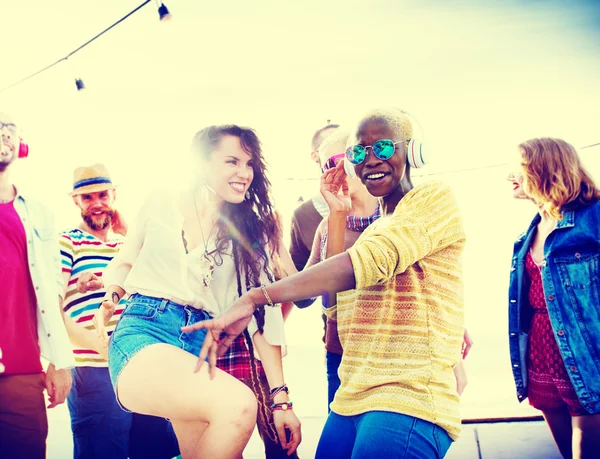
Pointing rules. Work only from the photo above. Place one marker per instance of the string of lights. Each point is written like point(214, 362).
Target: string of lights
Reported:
point(590, 146)
point(163, 15)
point(453, 171)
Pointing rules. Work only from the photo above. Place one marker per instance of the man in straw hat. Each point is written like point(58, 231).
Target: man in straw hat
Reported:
point(100, 427)
point(30, 319)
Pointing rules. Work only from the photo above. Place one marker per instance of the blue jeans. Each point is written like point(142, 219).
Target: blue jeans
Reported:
point(101, 429)
point(333, 380)
point(380, 434)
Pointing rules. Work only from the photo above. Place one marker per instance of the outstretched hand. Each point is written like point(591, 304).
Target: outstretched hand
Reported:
point(102, 318)
point(334, 188)
point(222, 331)
point(89, 282)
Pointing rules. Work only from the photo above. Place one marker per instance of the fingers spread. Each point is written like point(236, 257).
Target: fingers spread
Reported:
point(212, 359)
point(208, 324)
point(206, 346)
point(225, 344)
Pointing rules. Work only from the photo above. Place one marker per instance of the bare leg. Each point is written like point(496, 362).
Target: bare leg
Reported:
point(192, 432)
point(586, 436)
point(212, 418)
point(559, 421)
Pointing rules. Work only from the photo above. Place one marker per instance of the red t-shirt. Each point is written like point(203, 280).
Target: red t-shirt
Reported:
point(18, 303)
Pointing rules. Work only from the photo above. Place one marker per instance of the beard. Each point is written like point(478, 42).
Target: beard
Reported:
point(6, 161)
point(98, 223)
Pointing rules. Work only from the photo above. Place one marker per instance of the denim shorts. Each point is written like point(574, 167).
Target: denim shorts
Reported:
point(146, 321)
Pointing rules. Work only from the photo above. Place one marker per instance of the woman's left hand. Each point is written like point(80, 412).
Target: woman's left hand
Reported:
point(222, 331)
point(287, 421)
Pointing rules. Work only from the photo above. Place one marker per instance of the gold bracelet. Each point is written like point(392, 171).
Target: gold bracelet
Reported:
point(267, 297)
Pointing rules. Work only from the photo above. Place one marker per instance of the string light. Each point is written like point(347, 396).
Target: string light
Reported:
point(163, 12)
point(590, 146)
point(78, 81)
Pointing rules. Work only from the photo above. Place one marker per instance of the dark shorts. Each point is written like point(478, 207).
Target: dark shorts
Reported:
point(23, 420)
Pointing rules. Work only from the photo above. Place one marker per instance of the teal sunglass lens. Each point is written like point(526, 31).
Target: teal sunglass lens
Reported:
point(356, 154)
point(383, 149)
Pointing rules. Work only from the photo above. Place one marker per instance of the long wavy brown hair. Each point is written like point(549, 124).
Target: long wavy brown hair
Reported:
point(252, 226)
point(555, 177)
point(254, 229)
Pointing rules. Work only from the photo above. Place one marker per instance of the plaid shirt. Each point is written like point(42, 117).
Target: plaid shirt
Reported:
point(237, 361)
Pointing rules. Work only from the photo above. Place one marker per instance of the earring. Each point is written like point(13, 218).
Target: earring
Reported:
point(248, 195)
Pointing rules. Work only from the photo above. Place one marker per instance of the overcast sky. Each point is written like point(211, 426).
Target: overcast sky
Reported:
point(479, 76)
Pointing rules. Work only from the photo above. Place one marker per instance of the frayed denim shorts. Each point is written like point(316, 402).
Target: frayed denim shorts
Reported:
point(146, 321)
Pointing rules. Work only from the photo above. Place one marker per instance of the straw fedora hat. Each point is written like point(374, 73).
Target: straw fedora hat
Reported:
point(91, 179)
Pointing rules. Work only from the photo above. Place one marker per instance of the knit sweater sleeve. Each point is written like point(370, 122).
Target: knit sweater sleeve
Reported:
point(426, 220)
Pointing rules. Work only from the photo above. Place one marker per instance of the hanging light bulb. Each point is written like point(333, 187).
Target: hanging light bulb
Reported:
point(163, 12)
point(79, 84)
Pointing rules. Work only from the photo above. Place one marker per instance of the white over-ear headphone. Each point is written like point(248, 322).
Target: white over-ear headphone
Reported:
point(415, 153)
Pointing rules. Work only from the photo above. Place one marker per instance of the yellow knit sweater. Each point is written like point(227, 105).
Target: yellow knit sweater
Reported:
point(402, 328)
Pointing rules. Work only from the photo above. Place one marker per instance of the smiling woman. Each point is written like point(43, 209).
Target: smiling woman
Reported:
point(190, 255)
point(402, 290)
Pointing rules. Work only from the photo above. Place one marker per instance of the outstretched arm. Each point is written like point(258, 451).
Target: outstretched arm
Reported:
point(333, 275)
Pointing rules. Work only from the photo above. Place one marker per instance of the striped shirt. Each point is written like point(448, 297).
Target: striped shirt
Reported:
point(402, 327)
point(82, 253)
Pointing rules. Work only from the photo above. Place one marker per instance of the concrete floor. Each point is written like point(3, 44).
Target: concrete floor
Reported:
point(521, 440)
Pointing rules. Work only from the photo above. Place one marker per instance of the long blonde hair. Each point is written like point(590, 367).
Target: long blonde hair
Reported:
point(555, 177)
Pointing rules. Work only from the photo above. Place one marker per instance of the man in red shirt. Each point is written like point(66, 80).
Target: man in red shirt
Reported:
point(31, 323)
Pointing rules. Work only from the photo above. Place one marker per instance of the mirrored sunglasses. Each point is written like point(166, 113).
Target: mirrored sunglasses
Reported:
point(383, 149)
point(332, 162)
point(10, 126)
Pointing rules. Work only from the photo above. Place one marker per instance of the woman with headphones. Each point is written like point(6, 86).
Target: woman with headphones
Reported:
point(401, 314)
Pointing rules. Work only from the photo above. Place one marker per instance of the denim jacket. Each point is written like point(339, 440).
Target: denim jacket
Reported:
point(570, 276)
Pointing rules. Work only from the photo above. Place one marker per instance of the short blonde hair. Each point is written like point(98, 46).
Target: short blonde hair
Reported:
point(396, 119)
point(555, 177)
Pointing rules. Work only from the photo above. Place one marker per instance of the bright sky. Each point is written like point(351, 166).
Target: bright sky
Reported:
point(479, 76)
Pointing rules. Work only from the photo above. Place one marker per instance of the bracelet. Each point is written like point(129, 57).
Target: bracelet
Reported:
point(282, 406)
point(267, 297)
point(276, 390)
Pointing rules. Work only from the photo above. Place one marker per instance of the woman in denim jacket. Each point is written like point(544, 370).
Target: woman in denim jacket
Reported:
point(554, 296)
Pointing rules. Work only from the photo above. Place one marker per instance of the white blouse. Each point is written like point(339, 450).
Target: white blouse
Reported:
point(153, 262)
